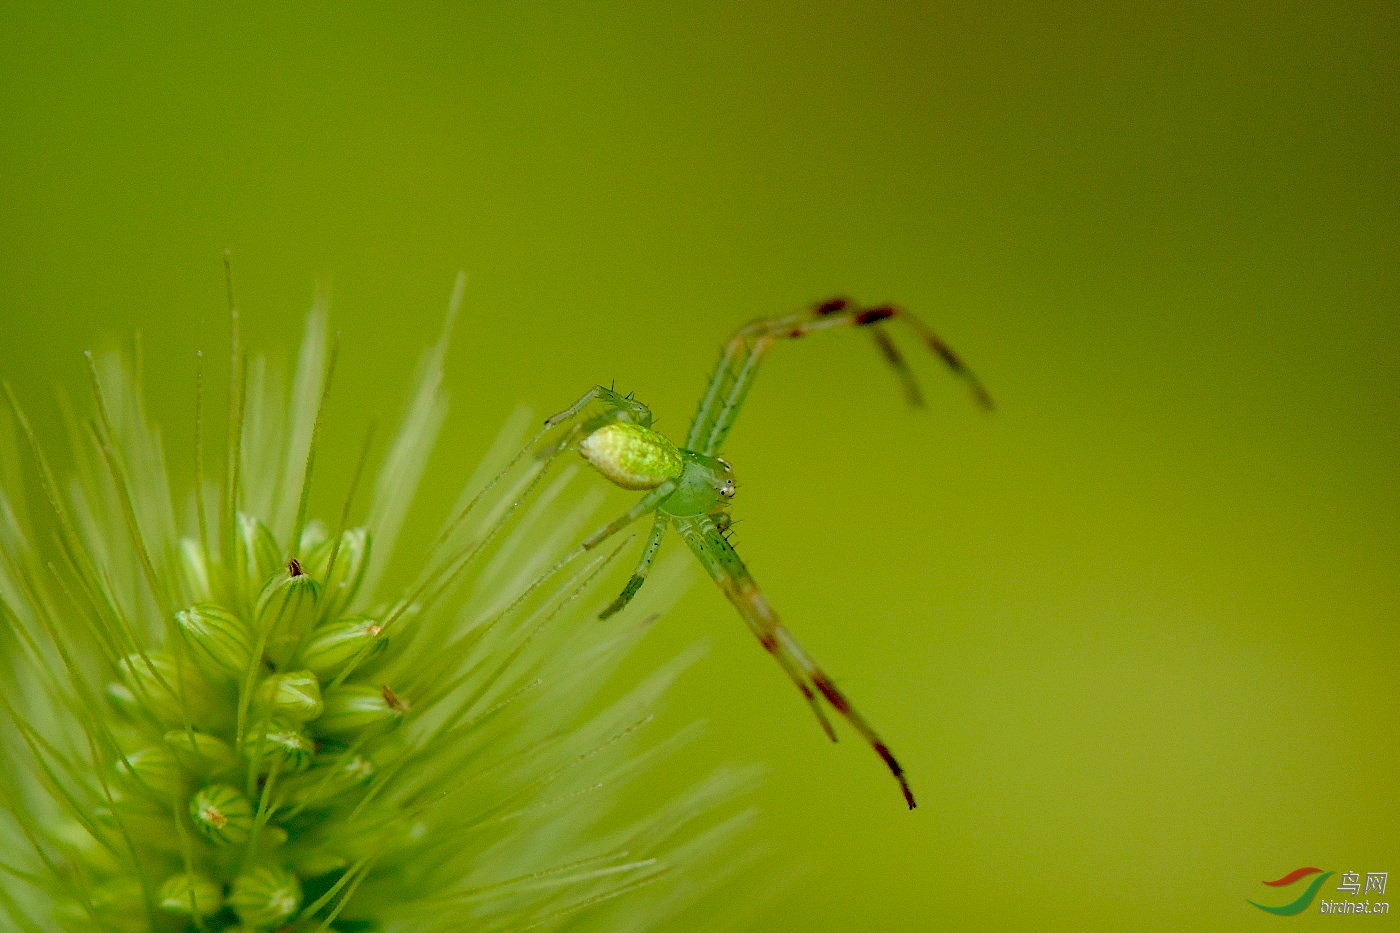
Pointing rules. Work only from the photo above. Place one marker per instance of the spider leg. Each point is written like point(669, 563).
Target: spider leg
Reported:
point(740, 359)
point(642, 506)
point(639, 575)
point(619, 408)
point(897, 363)
point(572, 411)
point(724, 567)
point(937, 346)
point(723, 564)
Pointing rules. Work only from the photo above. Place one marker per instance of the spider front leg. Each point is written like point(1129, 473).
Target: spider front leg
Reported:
point(616, 408)
point(724, 566)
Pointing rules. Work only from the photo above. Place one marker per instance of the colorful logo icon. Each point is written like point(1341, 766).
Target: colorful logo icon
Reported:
point(1304, 899)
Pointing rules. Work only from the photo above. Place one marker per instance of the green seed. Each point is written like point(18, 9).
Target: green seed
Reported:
point(155, 686)
point(294, 696)
point(341, 646)
point(138, 818)
point(256, 555)
point(328, 782)
point(201, 752)
point(278, 743)
point(191, 894)
point(360, 708)
point(154, 771)
point(265, 896)
point(340, 564)
point(222, 814)
point(119, 906)
point(286, 613)
point(317, 861)
point(220, 642)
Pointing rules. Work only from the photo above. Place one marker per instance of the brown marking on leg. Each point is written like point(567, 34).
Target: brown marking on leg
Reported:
point(897, 771)
point(873, 316)
point(833, 696)
point(831, 306)
point(746, 593)
point(843, 706)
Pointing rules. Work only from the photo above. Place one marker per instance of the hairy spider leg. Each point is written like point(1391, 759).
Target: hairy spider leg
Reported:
point(619, 408)
point(724, 566)
point(643, 506)
point(639, 575)
point(695, 532)
point(615, 408)
point(739, 362)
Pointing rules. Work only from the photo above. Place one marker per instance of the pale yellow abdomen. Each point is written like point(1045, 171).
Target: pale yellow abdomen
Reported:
point(632, 456)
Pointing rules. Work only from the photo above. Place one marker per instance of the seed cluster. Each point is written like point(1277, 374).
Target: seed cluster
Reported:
point(260, 718)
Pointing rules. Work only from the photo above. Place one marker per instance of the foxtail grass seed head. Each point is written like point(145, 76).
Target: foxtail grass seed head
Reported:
point(221, 710)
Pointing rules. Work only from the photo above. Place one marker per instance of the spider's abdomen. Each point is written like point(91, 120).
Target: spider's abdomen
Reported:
point(632, 456)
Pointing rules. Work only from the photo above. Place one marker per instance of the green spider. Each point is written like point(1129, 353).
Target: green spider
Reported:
point(690, 487)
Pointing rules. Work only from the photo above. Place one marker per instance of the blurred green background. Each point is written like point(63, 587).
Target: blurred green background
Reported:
point(1134, 636)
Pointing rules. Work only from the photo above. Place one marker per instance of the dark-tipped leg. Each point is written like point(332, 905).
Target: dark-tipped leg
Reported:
point(937, 346)
point(725, 568)
point(901, 368)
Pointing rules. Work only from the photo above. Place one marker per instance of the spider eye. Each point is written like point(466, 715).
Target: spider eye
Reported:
point(726, 488)
point(724, 463)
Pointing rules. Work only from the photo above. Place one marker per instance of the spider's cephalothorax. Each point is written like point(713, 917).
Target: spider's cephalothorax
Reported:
point(690, 487)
